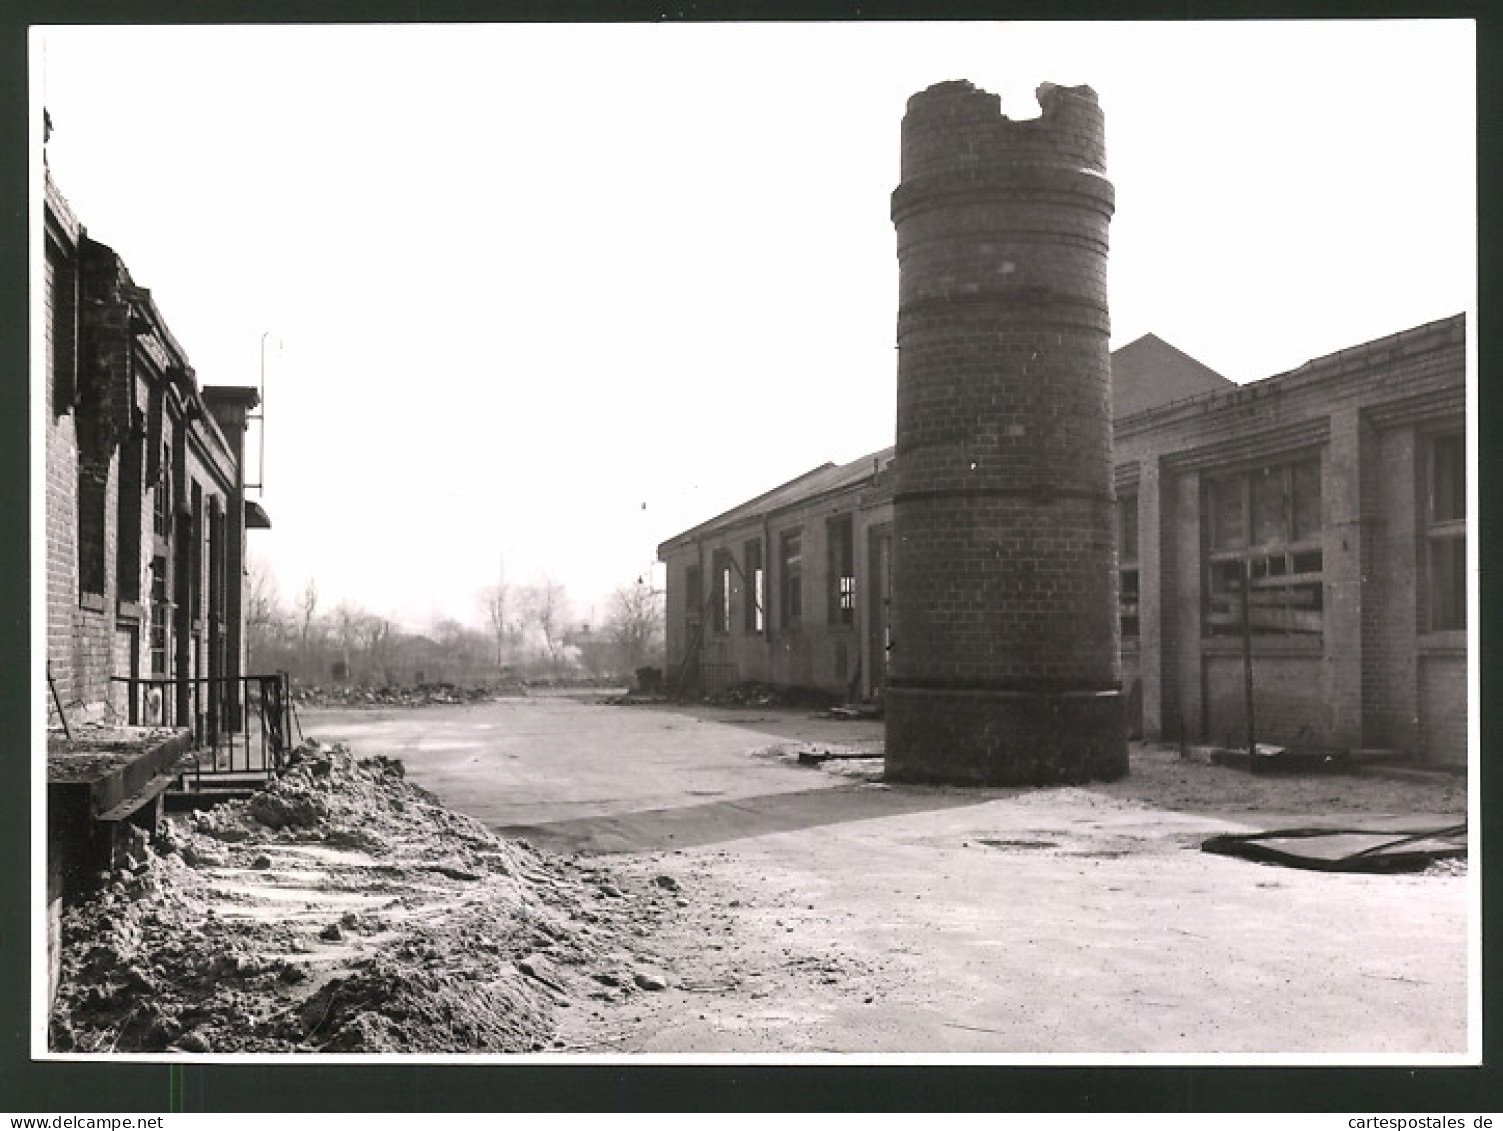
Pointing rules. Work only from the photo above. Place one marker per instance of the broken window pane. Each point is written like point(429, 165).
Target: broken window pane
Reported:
point(790, 580)
point(1226, 513)
point(754, 589)
point(1127, 557)
point(1270, 505)
point(1283, 566)
point(1306, 500)
point(722, 581)
point(842, 570)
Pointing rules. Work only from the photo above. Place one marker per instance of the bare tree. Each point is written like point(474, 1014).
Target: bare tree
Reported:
point(497, 602)
point(636, 621)
point(307, 608)
point(347, 618)
point(265, 619)
point(375, 637)
point(546, 605)
point(464, 651)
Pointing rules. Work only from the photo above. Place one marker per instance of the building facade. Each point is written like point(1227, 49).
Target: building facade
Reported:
point(145, 501)
point(1315, 520)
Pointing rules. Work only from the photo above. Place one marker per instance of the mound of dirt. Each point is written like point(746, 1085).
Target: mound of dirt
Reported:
point(345, 910)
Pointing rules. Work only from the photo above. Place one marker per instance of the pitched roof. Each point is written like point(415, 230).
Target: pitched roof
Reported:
point(1150, 372)
point(1146, 373)
point(825, 479)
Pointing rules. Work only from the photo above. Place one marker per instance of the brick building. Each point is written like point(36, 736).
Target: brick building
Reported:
point(145, 498)
point(1339, 487)
point(144, 560)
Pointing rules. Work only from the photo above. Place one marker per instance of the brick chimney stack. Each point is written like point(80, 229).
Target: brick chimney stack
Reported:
point(1004, 666)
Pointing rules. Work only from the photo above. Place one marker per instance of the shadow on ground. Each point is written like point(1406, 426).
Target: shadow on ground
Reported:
point(717, 822)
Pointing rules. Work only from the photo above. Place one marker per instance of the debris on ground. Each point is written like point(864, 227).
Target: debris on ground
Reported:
point(1380, 848)
point(420, 695)
point(748, 693)
point(814, 754)
point(343, 909)
point(1271, 759)
point(1166, 777)
point(753, 693)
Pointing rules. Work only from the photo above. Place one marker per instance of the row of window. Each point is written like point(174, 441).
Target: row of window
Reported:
point(728, 576)
point(1263, 555)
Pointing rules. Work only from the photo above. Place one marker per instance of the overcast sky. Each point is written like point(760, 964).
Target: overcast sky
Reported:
point(536, 298)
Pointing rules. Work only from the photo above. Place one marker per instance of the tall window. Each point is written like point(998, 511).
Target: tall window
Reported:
point(161, 510)
point(753, 599)
point(1127, 563)
point(128, 527)
point(196, 557)
point(93, 482)
point(721, 592)
point(1264, 530)
point(840, 547)
point(790, 578)
point(1445, 532)
point(692, 596)
point(161, 615)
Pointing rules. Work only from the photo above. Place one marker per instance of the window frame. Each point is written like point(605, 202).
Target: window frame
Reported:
point(693, 592)
point(754, 616)
point(1128, 571)
point(1445, 535)
point(1286, 570)
point(840, 544)
point(791, 577)
point(721, 591)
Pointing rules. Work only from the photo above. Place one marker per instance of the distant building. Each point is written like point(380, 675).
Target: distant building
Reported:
point(1340, 487)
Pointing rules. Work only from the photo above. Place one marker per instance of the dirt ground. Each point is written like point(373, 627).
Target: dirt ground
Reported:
point(345, 910)
point(348, 910)
point(1080, 921)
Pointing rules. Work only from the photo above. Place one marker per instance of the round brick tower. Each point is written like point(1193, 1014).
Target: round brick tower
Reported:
point(1004, 666)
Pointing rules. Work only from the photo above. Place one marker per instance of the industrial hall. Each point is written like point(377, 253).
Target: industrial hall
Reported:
point(1339, 486)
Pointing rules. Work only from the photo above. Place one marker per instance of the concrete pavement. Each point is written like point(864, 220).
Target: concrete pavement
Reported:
point(830, 915)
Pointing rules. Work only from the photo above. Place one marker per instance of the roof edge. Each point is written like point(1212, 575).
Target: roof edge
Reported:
point(1317, 369)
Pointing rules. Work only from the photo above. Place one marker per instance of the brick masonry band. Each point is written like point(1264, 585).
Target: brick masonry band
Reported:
point(1004, 664)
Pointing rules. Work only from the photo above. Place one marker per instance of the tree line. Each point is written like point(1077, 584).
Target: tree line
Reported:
point(529, 633)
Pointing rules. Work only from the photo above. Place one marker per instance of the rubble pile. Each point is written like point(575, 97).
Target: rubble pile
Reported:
point(747, 693)
point(421, 695)
point(751, 693)
point(345, 910)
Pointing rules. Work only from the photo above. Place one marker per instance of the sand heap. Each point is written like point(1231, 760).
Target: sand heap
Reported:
point(343, 909)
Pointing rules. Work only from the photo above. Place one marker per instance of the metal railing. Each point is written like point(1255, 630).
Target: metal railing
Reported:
point(240, 724)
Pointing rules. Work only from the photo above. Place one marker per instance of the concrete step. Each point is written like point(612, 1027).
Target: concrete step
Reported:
point(201, 791)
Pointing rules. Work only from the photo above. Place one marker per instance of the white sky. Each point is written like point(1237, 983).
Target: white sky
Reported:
point(547, 295)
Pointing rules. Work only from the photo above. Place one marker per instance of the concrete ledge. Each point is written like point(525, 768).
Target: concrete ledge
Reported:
point(113, 764)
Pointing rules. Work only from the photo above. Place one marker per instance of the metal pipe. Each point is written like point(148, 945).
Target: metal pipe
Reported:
point(261, 414)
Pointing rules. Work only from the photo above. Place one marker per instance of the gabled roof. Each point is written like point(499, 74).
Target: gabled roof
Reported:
point(1146, 373)
point(828, 478)
point(1353, 360)
point(1150, 372)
